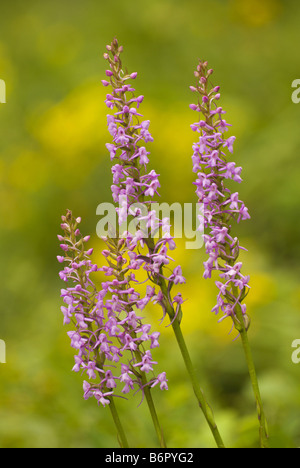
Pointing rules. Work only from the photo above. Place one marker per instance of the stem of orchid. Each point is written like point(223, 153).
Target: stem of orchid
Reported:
point(159, 432)
point(121, 434)
point(151, 406)
point(241, 328)
point(263, 431)
point(205, 407)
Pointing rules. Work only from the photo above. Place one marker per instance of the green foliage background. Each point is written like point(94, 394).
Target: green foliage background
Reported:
point(53, 157)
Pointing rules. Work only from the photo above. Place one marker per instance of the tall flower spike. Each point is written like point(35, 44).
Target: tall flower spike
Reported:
point(134, 190)
point(109, 337)
point(107, 326)
point(221, 208)
point(134, 186)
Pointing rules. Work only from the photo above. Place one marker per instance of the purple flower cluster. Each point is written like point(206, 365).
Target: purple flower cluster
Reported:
point(110, 338)
point(114, 345)
point(134, 186)
point(220, 206)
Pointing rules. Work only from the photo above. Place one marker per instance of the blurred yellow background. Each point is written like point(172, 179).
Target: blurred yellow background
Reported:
point(53, 157)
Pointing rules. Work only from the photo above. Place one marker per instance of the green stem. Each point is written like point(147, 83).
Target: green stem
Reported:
point(240, 326)
point(263, 431)
point(159, 432)
point(151, 406)
point(205, 407)
point(121, 434)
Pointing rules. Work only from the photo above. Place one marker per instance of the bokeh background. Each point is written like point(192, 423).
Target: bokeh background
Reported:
point(53, 157)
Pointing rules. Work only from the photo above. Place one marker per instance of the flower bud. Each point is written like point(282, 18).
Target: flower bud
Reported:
point(247, 321)
point(69, 215)
point(115, 43)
